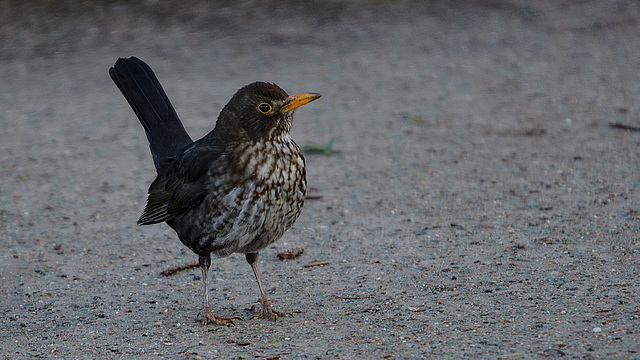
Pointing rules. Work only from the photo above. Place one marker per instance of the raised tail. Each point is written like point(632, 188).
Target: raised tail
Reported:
point(139, 85)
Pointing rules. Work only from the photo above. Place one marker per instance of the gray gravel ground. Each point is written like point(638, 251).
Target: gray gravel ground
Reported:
point(478, 203)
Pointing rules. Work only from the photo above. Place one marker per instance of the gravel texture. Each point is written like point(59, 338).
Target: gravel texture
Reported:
point(476, 201)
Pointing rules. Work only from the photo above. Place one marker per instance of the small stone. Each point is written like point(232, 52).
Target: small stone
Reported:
point(597, 329)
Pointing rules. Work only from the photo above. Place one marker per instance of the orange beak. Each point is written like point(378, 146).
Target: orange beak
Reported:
point(295, 101)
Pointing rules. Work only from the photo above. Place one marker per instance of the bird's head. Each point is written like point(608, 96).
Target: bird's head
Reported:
point(260, 111)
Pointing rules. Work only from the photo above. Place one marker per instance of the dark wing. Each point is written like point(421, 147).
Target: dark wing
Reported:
point(180, 184)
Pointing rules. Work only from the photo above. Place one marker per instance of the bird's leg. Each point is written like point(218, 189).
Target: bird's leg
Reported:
point(205, 263)
point(266, 304)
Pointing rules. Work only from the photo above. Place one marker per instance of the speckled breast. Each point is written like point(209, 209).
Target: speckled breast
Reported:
point(264, 203)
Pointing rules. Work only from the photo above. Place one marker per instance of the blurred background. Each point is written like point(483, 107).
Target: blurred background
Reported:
point(472, 196)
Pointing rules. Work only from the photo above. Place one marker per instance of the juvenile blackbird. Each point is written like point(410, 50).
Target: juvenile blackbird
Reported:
point(236, 190)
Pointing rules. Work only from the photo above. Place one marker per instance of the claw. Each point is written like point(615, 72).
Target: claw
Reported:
point(267, 311)
point(209, 318)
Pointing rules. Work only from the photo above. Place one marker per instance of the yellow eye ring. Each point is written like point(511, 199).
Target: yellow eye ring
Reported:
point(264, 108)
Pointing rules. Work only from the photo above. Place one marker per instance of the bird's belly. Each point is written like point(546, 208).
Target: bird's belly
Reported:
point(268, 219)
point(252, 216)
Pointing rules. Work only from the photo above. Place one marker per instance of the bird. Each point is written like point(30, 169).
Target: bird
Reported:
point(238, 189)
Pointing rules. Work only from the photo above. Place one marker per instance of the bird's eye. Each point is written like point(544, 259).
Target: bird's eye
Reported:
point(264, 108)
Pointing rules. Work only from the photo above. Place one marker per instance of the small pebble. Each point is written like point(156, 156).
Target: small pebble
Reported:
point(597, 329)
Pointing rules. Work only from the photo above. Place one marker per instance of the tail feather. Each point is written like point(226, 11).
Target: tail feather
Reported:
point(139, 85)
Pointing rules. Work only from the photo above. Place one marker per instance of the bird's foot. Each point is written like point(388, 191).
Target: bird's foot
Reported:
point(267, 311)
point(210, 318)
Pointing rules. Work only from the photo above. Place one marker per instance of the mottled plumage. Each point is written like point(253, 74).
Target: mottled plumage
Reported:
point(236, 190)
